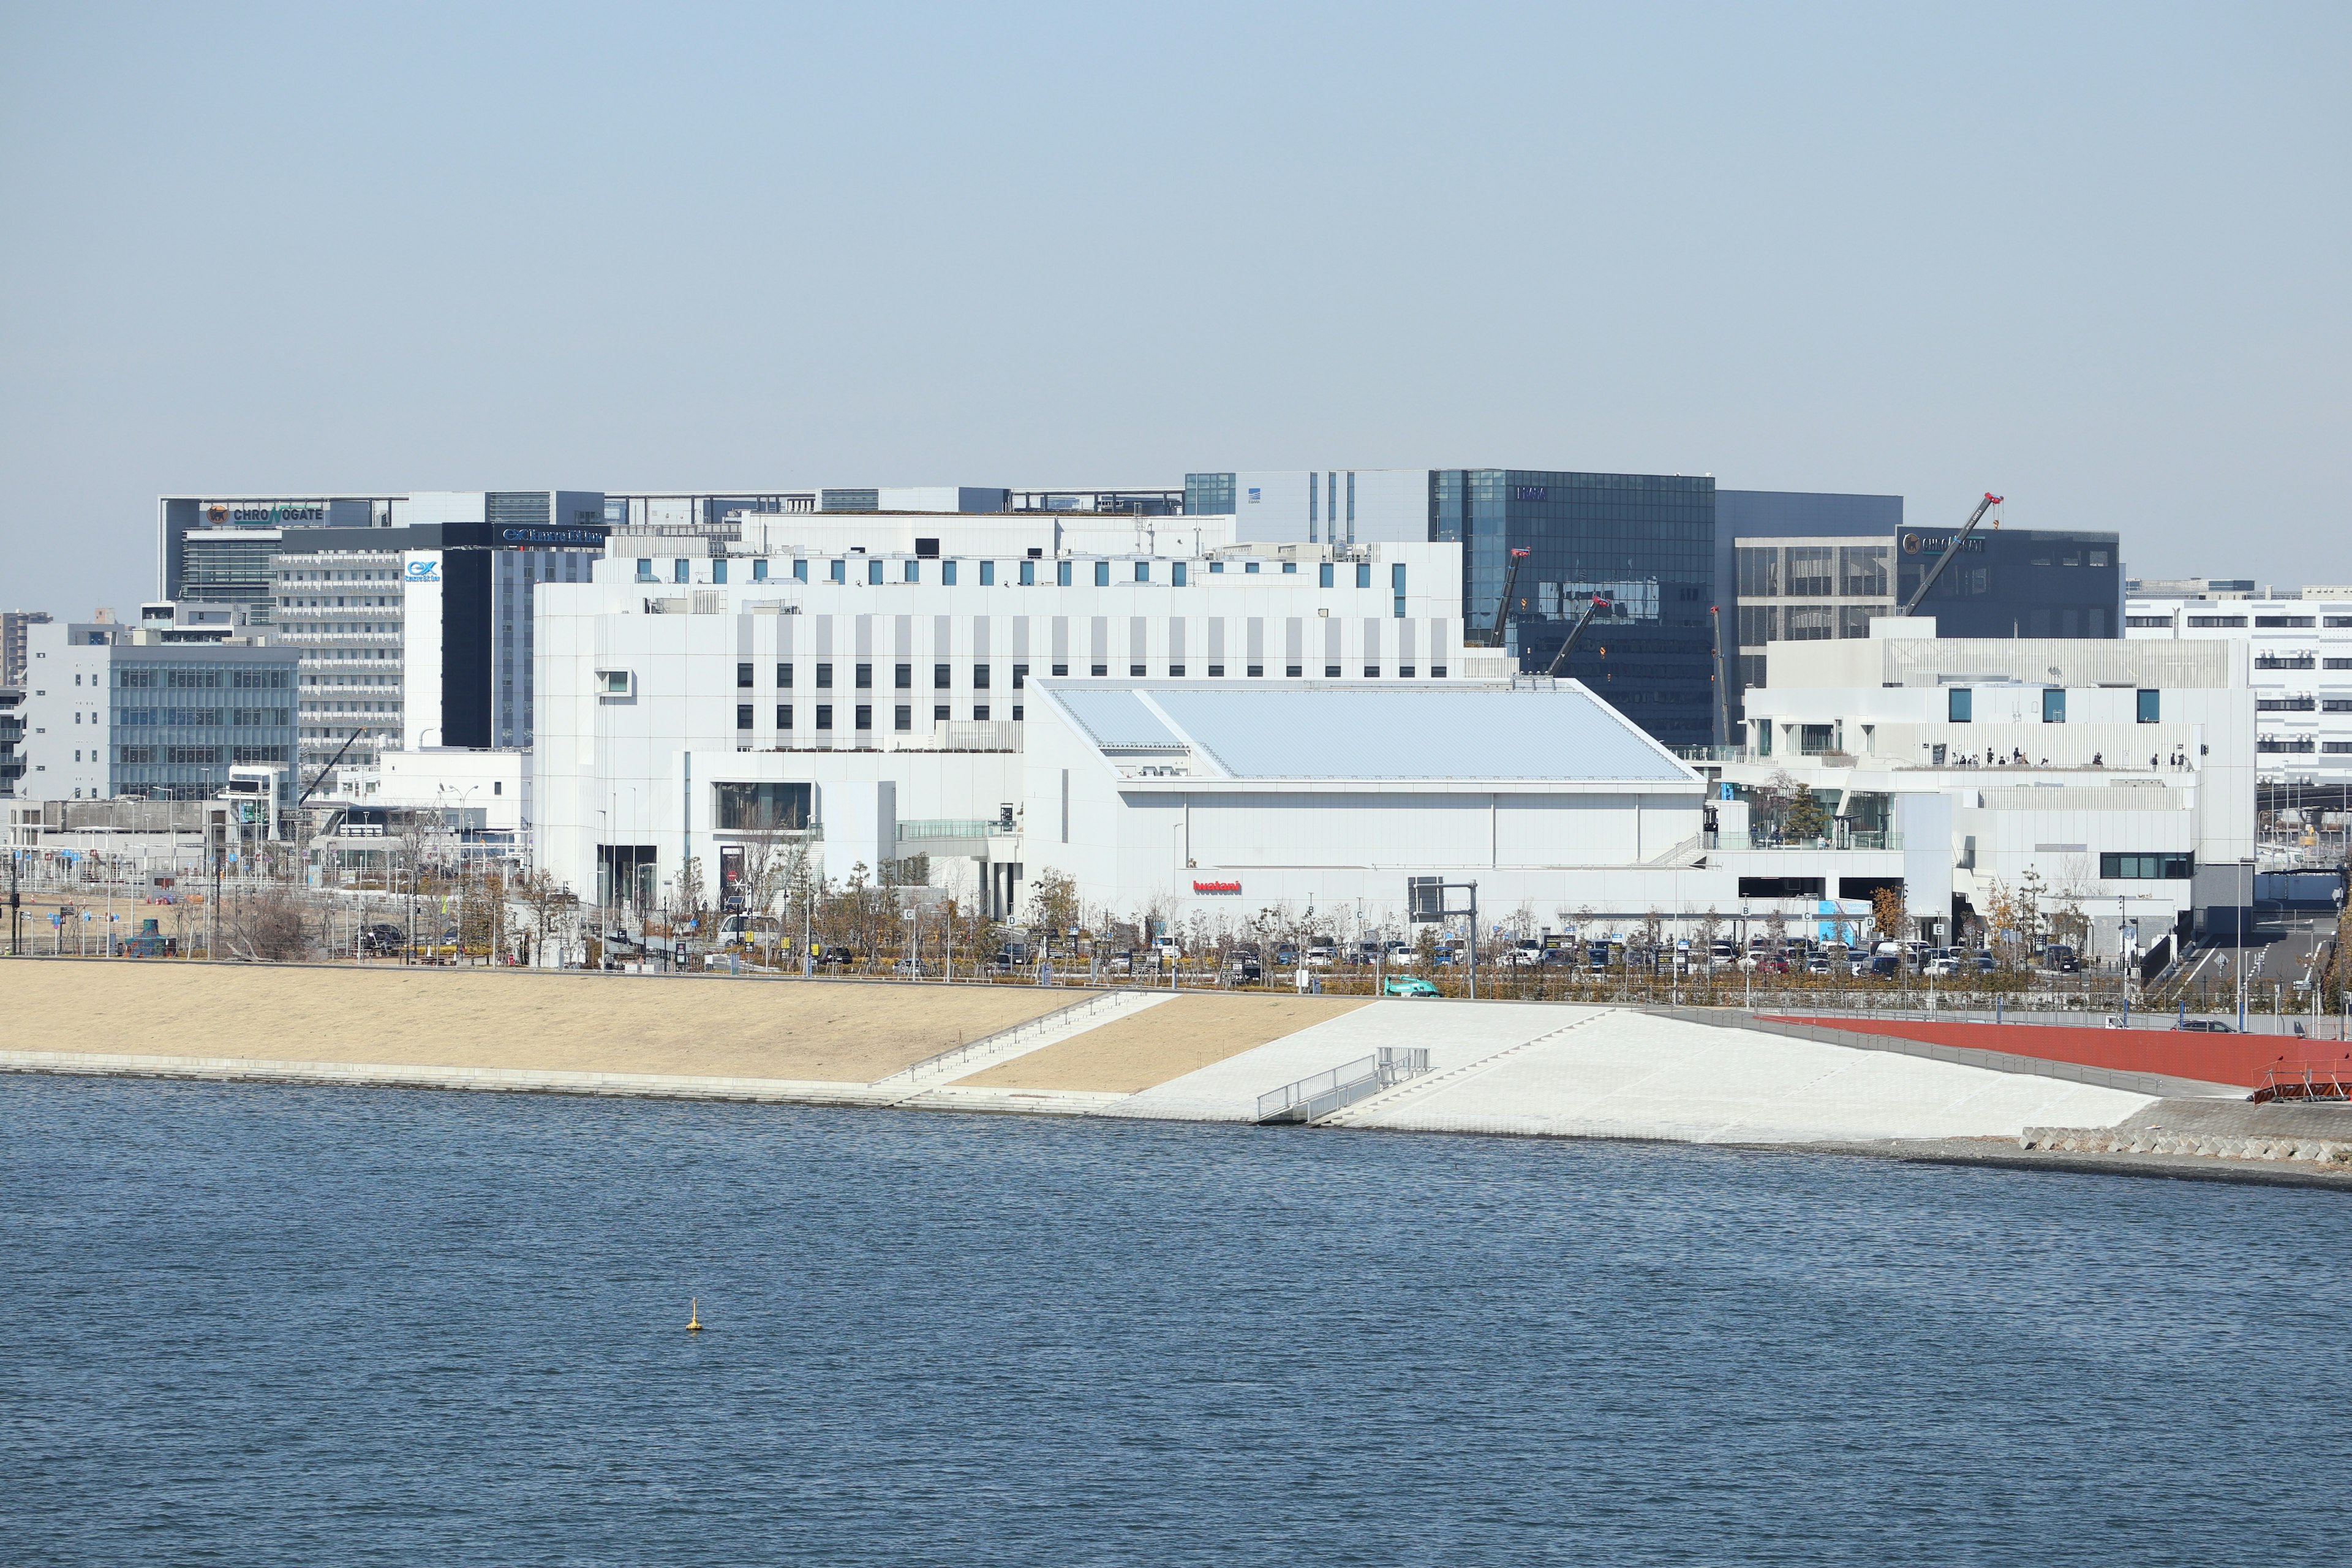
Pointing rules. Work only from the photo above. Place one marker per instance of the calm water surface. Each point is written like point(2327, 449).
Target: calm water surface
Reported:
point(246, 1324)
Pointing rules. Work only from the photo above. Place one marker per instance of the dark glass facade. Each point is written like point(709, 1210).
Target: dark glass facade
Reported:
point(2016, 583)
point(1645, 543)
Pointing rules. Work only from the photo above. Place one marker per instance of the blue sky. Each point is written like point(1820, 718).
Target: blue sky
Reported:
point(2093, 258)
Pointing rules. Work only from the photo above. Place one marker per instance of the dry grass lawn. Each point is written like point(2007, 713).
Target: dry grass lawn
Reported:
point(1143, 1049)
point(834, 1031)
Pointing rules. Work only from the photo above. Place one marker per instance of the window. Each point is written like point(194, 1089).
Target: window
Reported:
point(1248, 567)
point(1290, 566)
point(2053, 706)
point(1810, 623)
point(1810, 574)
point(2285, 661)
point(2283, 622)
point(760, 807)
point(644, 570)
point(2336, 705)
point(2170, 866)
point(824, 683)
point(759, 571)
point(928, 548)
point(743, 677)
point(1330, 672)
point(1760, 573)
point(1323, 573)
point(902, 677)
point(1177, 574)
point(948, 573)
point(1098, 669)
point(783, 677)
point(1815, 739)
point(1143, 571)
point(873, 570)
point(980, 677)
point(800, 571)
point(1960, 705)
point(980, 712)
point(865, 678)
point(680, 571)
point(784, 715)
point(2283, 704)
point(1862, 571)
point(1256, 672)
point(1289, 671)
point(2098, 558)
point(943, 677)
point(1175, 672)
point(2151, 707)
point(1061, 669)
point(914, 572)
point(615, 682)
point(718, 571)
point(840, 575)
point(1016, 712)
point(1437, 672)
point(940, 713)
point(2217, 622)
point(2336, 748)
point(865, 715)
point(2338, 621)
point(2148, 622)
point(1216, 566)
point(1028, 573)
point(1758, 624)
point(1020, 676)
point(988, 574)
point(1853, 620)
point(902, 716)
point(2335, 664)
point(1216, 672)
point(1062, 573)
point(742, 715)
point(1404, 673)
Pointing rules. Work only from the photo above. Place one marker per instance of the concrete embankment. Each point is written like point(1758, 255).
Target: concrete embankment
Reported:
point(1525, 1069)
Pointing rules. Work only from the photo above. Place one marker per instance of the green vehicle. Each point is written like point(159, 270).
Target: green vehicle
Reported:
point(1409, 986)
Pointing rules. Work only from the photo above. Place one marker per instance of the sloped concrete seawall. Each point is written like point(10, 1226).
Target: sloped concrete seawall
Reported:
point(1519, 1069)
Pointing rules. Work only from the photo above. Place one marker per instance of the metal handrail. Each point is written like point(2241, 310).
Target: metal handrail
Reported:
point(963, 1050)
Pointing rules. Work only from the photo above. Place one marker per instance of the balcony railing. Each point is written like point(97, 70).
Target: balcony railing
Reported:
point(1860, 839)
point(949, 827)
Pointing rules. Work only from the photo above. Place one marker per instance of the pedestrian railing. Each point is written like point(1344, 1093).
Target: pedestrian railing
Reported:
point(1337, 1088)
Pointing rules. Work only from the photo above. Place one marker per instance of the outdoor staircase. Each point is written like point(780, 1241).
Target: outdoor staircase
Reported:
point(1035, 1034)
point(1337, 1088)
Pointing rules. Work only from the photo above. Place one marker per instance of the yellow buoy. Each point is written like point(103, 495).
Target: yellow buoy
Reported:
point(693, 1316)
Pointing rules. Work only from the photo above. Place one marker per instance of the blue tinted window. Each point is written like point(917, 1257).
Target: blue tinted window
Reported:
point(1960, 705)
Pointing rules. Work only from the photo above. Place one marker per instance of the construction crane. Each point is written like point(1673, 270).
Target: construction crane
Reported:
point(1574, 632)
point(1928, 579)
point(1493, 636)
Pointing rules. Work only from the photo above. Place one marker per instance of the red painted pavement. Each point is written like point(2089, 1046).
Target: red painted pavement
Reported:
point(2214, 1058)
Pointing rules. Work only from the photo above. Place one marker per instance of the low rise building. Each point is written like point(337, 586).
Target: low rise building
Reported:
point(114, 710)
point(2112, 773)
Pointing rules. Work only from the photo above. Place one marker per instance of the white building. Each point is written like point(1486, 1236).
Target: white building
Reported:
point(1202, 797)
point(2114, 770)
point(2300, 660)
point(873, 685)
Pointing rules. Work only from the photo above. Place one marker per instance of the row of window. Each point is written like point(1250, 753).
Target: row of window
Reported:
point(188, 718)
point(2228, 623)
point(1960, 706)
point(2165, 868)
point(902, 676)
point(903, 718)
point(911, 570)
point(199, 756)
point(138, 678)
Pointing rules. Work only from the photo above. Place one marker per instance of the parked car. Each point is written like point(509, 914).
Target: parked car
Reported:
point(1408, 985)
point(1322, 957)
point(2203, 1026)
point(2060, 959)
point(1285, 957)
point(1885, 965)
point(835, 957)
point(1817, 966)
point(383, 939)
point(1943, 967)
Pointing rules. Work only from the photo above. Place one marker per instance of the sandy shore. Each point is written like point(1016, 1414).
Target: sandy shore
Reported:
point(828, 1030)
point(1166, 1042)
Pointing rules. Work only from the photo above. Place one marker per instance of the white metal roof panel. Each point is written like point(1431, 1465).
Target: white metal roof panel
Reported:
point(1414, 733)
point(1116, 718)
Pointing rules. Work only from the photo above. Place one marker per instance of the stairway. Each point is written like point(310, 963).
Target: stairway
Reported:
point(1356, 1113)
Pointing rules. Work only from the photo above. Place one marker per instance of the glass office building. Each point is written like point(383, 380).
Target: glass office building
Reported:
point(1643, 542)
point(181, 718)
